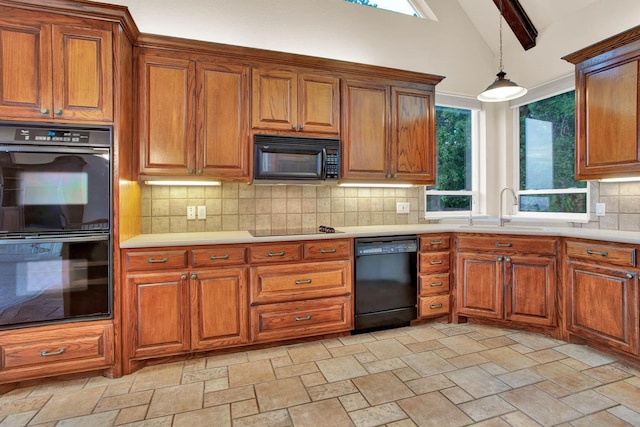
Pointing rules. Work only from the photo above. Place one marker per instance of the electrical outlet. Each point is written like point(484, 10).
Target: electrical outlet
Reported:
point(600, 209)
point(191, 212)
point(402, 207)
point(202, 212)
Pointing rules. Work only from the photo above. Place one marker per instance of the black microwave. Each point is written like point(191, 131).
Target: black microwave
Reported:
point(295, 160)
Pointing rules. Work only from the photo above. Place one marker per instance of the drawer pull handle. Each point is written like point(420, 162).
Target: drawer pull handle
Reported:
point(272, 254)
point(45, 353)
point(215, 257)
point(435, 284)
point(435, 262)
point(328, 251)
point(435, 242)
point(434, 306)
point(158, 261)
point(630, 276)
point(592, 252)
point(303, 282)
point(504, 245)
point(307, 317)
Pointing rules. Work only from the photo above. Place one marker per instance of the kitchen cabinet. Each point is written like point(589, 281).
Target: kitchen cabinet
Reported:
point(286, 99)
point(601, 294)
point(193, 117)
point(433, 276)
point(388, 132)
point(507, 278)
point(607, 109)
point(55, 67)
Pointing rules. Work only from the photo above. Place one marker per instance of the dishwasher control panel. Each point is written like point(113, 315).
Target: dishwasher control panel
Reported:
point(381, 248)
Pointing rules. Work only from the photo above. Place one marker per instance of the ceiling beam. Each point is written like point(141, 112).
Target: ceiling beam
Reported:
point(520, 24)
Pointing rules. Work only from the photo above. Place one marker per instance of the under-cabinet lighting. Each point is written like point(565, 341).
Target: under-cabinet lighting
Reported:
point(626, 179)
point(374, 185)
point(190, 183)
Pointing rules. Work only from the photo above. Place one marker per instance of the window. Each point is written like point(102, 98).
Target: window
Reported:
point(455, 171)
point(417, 8)
point(547, 187)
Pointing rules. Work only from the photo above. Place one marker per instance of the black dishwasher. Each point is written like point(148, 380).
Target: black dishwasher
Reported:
point(385, 282)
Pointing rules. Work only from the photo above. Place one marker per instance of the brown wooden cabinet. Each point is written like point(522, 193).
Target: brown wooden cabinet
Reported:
point(601, 294)
point(433, 276)
point(193, 117)
point(61, 71)
point(295, 100)
point(507, 278)
point(388, 132)
point(607, 109)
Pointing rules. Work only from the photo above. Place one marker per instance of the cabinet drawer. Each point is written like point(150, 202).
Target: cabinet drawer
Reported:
point(328, 249)
point(84, 347)
point(432, 262)
point(610, 254)
point(301, 318)
point(275, 253)
point(507, 244)
point(218, 256)
point(432, 284)
point(433, 306)
point(155, 260)
point(436, 242)
point(300, 281)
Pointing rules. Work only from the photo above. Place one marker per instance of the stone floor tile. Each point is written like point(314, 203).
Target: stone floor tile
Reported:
point(433, 409)
point(493, 422)
point(546, 356)
point(384, 365)
point(622, 392)
point(227, 359)
point(607, 374)
point(366, 357)
point(195, 364)
point(535, 341)
point(382, 388)
point(429, 384)
point(421, 334)
point(600, 419)
point(489, 331)
point(278, 418)
point(589, 402)
point(427, 363)
point(406, 339)
point(521, 348)
point(486, 408)
point(118, 388)
point(494, 368)
point(244, 408)
point(538, 405)
point(462, 344)
point(132, 414)
point(124, 401)
point(57, 387)
point(508, 358)
point(553, 389)
point(310, 380)
point(377, 415)
point(457, 330)
point(19, 419)
point(456, 395)
point(585, 354)
point(387, 349)
point(477, 382)
point(445, 353)
point(204, 375)
point(329, 390)
point(10, 406)
point(565, 376)
point(356, 339)
point(467, 360)
point(280, 394)
point(325, 412)
point(228, 396)
point(281, 362)
point(220, 416)
point(521, 378)
point(216, 385)
point(308, 352)
point(575, 364)
point(69, 405)
point(175, 399)
point(626, 414)
point(402, 423)
point(296, 370)
point(496, 342)
point(267, 353)
point(406, 374)
point(155, 422)
point(158, 376)
point(518, 419)
point(101, 419)
point(423, 346)
point(346, 350)
point(250, 373)
point(353, 402)
point(341, 368)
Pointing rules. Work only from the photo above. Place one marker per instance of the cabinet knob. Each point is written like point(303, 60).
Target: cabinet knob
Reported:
point(194, 276)
point(293, 127)
point(183, 277)
point(388, 176)
point(499, 259)
point(58, 112)
point(301, 127)
point(507, 259)
point(190, 171)
point(630, 276)
point(44, 111)
point(199, 171)
point(394, 176)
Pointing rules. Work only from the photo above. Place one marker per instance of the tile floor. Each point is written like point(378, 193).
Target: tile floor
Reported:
point(430, 375)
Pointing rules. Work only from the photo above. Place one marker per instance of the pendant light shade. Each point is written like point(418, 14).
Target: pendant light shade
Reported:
point(501, 89)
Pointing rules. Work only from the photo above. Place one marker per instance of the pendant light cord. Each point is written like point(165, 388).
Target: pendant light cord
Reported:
point(500, 26)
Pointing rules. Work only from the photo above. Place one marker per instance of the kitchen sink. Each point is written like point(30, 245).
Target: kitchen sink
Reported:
point(507, 228)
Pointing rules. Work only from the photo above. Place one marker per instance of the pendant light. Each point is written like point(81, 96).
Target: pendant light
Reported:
point(502, 89)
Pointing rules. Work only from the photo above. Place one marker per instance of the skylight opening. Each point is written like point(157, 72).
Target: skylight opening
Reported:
point(416, 8)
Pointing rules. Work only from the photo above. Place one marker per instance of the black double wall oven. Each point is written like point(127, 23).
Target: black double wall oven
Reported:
point(55, 224)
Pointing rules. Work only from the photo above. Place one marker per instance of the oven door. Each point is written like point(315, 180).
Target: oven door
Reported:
point(288, 162)
point(53, 280)
point(55, 190)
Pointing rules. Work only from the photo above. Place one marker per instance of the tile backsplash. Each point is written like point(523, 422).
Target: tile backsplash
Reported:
point(233, 207)
point(622, 206)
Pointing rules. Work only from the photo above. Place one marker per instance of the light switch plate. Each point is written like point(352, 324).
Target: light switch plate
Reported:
point(600, 209)
point(191, 212)
point(402, 207)
point(202, 212)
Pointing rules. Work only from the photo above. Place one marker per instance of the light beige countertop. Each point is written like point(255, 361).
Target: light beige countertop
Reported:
point(231, 237)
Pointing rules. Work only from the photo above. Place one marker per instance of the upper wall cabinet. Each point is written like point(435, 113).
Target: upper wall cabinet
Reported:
point(388, 133)
point(291, 100)
point(51, 71)
point(193, 117)
point(607, 107)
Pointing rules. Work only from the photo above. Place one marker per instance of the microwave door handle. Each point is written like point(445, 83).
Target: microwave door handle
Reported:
point(323, 164)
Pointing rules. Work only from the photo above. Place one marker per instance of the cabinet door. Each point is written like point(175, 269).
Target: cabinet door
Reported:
point(166, 127)
point(156, 314)
point(222, 148)
point(82, 73)
point(26, 82)
point(219, 308)
point(365, 130)
point(607, 117)
point(412, 150)
point(318, 103)
point(274, 100)
point(602, 305)
point(480, 285)
point(531, 290)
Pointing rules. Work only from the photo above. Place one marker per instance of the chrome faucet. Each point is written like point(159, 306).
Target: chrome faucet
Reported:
point(471, 211)
point(515, 203)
